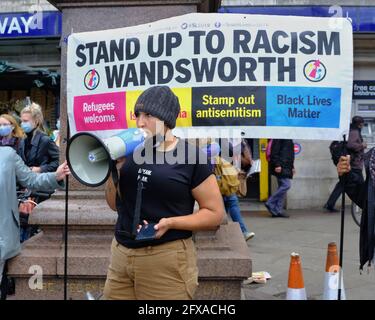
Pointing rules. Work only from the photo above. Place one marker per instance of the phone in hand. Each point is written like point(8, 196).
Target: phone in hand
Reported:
point(147, 232)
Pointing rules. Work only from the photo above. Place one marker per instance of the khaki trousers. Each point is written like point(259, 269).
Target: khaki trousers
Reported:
point(163, 272)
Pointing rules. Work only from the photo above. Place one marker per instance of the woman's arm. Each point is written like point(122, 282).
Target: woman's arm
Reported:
point(275, 153)
point(43, 181)
point(208, 217)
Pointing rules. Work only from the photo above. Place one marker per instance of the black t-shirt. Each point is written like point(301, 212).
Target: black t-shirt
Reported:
point(167, 189)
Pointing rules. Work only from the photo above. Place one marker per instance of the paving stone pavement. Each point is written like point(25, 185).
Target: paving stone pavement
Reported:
point(307, 232)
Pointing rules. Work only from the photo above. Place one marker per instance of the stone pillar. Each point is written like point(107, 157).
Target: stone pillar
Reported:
point(86, 16)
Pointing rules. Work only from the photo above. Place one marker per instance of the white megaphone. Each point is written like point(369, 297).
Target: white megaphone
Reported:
point(91, 159)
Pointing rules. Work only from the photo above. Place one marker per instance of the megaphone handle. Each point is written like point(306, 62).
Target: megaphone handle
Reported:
point(344, 150)
point(137, 211)
point(114, 173)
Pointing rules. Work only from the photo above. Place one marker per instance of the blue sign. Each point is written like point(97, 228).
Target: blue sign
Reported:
point(303, 107)
point(362, 18)
point(24, 25)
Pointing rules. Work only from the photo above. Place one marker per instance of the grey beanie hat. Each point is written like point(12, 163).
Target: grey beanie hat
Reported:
point(160, 102)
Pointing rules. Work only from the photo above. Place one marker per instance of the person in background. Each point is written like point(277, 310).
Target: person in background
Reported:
point(232, 206)
point(13, 170)
point(231, 202)
point(55, 136)
point(246, 156)
point(38, 152)
point(356, 149)
point(10, 132)
point(363, 194)
point(36, 149)
point(356, 146)
point(281, 166)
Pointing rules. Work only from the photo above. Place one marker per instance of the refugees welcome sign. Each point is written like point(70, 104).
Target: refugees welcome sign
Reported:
point(267, 76)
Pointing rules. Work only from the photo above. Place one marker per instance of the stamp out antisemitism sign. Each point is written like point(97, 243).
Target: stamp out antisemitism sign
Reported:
point(100, 111)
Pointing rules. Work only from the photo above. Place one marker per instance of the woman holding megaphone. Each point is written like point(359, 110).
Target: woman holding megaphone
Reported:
point(159, 261)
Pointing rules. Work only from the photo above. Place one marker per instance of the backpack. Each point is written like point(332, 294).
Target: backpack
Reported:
point(336, 148)
point(269, 150)
point(226, 176)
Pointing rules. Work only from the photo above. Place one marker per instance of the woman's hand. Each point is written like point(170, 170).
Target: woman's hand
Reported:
point(242, 174)
point(140, 226)
point(343, 166)
point(62, 171)
point(162, 227)
point(36, 169)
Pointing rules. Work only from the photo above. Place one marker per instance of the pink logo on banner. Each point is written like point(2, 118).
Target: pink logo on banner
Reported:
point(105, 111)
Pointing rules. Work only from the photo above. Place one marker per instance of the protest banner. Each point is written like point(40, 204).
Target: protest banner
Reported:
point(266, 76)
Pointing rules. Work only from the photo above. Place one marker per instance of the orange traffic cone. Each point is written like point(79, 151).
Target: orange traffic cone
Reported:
point(332, 275)
point(296, 287)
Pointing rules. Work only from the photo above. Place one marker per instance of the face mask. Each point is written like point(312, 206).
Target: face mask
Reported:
point(58, 125)
point(27, 127)
point(5, 130)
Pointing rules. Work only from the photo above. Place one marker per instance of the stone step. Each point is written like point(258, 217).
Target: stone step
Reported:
point(81, 211)
point(222, 267)
point(96, 194)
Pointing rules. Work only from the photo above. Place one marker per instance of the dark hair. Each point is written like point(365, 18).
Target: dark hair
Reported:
point(357, 120)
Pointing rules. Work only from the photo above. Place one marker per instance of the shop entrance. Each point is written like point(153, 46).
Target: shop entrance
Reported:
point(257, 184)
point(17, 89)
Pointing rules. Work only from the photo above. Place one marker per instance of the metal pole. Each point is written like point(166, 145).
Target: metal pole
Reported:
point(66, 225)
point(343, 180)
